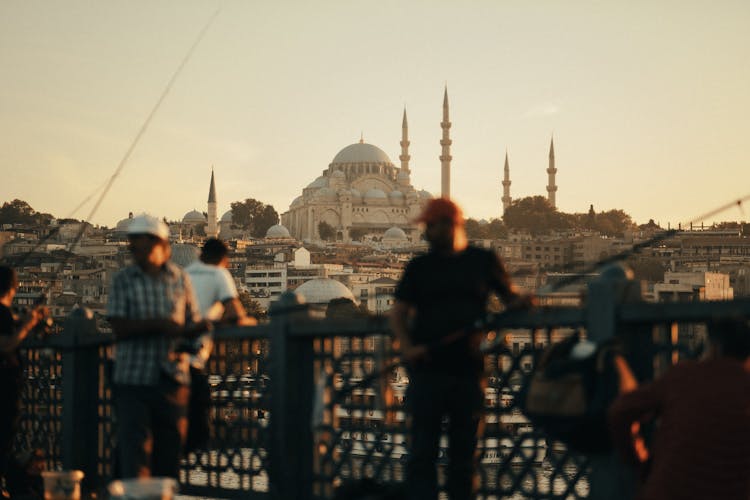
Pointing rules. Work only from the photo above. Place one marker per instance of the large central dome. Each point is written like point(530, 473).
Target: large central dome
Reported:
point(361, 153)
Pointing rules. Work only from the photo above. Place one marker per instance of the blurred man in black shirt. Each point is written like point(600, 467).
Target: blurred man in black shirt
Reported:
point(12, 333)
point(441, 294)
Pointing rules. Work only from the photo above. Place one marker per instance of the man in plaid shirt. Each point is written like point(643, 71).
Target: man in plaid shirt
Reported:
point(151, 308)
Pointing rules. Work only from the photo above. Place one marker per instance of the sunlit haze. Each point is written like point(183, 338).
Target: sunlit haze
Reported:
point(648, 102)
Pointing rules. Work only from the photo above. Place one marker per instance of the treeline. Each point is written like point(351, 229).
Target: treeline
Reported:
point(20, 212)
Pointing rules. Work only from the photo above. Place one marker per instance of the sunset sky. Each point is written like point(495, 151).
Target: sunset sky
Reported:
point(648, 102)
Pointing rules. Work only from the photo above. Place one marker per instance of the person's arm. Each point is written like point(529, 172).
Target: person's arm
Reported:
point(399, 320)
point(636, 406)
point(235, 313)
point(9, 343)
point(503, 286)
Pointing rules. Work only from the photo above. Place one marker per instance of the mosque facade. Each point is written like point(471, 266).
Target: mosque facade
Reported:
point(363, 192)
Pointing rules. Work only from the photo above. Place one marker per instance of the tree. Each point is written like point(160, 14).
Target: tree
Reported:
point(20, 212)
point(252, 306)
point(535, 215)
point(357, 233)
point(254, 215)
point(613, 222)
point(267, 218)
point(326, 231)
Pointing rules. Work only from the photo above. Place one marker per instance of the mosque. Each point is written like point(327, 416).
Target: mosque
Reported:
point(360, 193)
point(363, 192)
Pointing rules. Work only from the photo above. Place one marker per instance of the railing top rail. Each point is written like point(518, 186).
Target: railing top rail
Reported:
point(541, 317)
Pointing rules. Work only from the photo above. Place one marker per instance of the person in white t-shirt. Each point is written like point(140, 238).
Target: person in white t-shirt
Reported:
point(214, 286)
point(216, 292)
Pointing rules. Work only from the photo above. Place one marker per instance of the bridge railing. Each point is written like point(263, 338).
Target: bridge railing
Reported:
point(291, 417)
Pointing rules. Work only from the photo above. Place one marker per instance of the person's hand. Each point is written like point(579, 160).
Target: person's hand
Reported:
point(38, 314)
point(196, 329)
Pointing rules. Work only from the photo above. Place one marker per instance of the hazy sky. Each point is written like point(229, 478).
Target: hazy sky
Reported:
point(649, 102)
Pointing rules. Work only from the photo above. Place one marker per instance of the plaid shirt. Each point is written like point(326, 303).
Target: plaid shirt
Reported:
point(136, 295)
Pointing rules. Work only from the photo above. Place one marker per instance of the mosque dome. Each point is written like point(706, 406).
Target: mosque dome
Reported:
point(361, 153)
point(395, 233)
point(122, 226)
point(193, 217)
point(183, 254)
point(375, 193)
point(227, 217)
point(425, 195)
point(356, 195)
point(320, 182)
point(323, 290)
point(297, 202)
point(278, 231)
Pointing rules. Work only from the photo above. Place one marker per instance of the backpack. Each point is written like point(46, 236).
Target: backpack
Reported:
point(568, 398)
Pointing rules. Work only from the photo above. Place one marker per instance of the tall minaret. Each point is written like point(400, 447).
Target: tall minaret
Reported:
point(551, 171)
point(212, 229)
point(405, 146)
point(445, 157)
point(506, 185)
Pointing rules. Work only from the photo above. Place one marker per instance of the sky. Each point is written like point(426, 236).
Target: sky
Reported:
point(648, 102)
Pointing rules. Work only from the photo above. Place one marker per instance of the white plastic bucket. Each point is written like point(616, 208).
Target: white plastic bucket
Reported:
point(62, 485)
point(151, 488)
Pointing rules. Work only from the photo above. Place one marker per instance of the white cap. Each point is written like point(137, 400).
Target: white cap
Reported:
point(148, 224)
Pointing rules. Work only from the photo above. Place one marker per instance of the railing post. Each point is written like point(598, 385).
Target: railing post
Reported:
point(292, 389)
point(80, 391)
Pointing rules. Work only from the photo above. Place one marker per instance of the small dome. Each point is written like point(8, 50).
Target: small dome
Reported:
point(425, 195)
point(227, 217)
point(361, 153)
point(297, 202)
point(320, 182)
point(278, 231)
point(397, 194)
point(323, 290)
point(183, 254)
point(375, 193)
point(193, 217)
point(395, 233)
point(122, 226)
point(356, 194)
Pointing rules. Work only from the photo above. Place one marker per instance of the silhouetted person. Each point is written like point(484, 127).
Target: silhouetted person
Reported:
point(701, 445)
point(151, 308)
point(13, 331)
point(440, 294)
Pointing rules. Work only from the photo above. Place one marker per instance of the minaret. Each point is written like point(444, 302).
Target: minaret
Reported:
point(405, 146)
point(445, 157)
point(551, 171)
point(212, 229)
point(506, 185)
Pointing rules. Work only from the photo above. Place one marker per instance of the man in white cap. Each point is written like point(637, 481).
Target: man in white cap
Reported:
point(151, 308)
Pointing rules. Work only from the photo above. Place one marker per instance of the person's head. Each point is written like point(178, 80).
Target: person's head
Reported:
point(215, 252)
point(444, 225)
point(730, 337)
point(148, 239)
point(8, 283)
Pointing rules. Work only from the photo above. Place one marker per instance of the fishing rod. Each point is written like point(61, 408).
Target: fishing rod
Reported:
point(124, 160)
